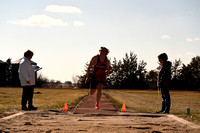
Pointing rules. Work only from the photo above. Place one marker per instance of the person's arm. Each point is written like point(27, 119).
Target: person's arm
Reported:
point(108, 67)
point(92, 63)
point(24, 72)
point(165, 75)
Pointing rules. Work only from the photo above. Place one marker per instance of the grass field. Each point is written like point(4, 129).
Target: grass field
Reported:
point(150, 101)
point(10, 98)
point(140, 101)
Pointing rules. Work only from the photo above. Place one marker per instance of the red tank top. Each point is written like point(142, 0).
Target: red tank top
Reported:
point(100, 70)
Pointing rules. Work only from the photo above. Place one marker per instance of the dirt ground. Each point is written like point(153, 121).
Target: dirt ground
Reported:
point(58, 121)
point(85, 118)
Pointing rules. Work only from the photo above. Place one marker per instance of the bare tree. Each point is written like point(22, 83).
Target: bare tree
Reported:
point(75, 80)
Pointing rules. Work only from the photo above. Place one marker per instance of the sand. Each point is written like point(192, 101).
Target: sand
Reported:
point(58, 121)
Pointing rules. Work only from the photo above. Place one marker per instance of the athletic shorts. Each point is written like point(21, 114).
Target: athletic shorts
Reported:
point(94, 81)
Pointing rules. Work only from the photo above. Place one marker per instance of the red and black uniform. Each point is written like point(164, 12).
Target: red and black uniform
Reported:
point(99, 73)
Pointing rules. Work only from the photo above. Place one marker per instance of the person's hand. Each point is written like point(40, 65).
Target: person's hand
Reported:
point(28, 82)
point(109, 69)
point(165, 83)
point(87, 80)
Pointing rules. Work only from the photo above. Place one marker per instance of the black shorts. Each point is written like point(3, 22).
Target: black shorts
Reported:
point(94, 82)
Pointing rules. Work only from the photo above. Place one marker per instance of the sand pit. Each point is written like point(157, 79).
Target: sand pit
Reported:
point(58, 121)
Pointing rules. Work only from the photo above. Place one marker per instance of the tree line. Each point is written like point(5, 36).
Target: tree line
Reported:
point(129, 73)
point(9, 77)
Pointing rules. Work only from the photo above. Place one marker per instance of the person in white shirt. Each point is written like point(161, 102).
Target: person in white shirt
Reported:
point(27, 79)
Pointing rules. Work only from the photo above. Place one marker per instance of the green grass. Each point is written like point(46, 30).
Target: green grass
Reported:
point(10, 98)
point(150, 101)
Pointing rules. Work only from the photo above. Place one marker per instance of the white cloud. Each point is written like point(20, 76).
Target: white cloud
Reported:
point(189, 53)
point(197, 38)
point(189, 39)
point(40, 21)
point(179, 55)
point(165, 37)
point(63, 9)
point(78, 23)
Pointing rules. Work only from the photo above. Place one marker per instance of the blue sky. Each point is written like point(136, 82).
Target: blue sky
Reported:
point(65, 34)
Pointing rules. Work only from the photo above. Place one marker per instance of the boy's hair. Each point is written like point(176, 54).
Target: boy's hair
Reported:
point(28, 53)
point(163, 56)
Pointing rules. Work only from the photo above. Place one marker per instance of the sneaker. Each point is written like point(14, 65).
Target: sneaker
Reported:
point(97, 106)
point(26, 109)
point(165, 112)
point(160, 112)
point(32, 108)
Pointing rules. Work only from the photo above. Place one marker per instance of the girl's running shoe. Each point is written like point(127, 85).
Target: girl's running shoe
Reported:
point(97, 106)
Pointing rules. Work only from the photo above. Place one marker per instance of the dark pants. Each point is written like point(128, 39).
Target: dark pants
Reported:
point(27, 95)
point(166, 103)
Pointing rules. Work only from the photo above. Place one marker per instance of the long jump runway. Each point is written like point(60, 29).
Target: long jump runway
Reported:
point(87, 106)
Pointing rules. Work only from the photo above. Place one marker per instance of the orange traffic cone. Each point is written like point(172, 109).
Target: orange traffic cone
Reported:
point(124, 107)
point(66, 107)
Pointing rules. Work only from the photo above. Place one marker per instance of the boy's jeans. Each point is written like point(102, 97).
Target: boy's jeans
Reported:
point(166, 103)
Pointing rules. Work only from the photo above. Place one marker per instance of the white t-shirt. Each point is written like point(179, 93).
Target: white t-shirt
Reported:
point(26, 72)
